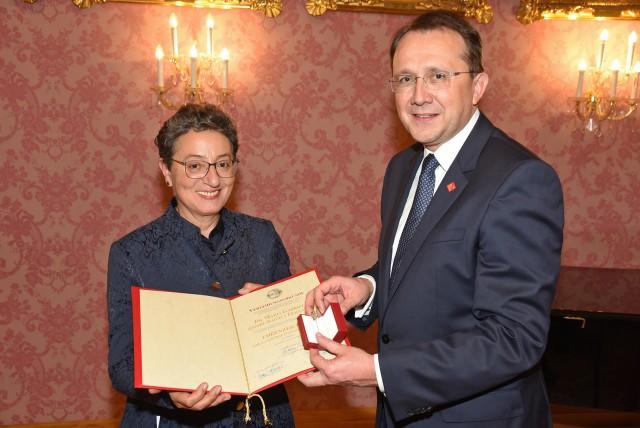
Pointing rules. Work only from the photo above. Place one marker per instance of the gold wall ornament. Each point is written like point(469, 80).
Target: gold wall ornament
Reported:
point(86, 3)
point(535, 10)
point(270, 8)
point(477, 9)
point(319, 7)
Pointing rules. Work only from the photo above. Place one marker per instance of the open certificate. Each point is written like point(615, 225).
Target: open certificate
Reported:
point(246, 344)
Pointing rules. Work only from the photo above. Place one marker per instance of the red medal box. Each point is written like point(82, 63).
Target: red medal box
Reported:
point(332, 325)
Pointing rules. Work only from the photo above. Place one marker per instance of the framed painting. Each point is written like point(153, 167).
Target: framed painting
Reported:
point(534, 10)
point(270, 8)
point(476, 9)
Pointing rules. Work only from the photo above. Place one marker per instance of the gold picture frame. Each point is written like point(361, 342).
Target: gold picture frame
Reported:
point(477, 9)
point(534, 10)
point(270, 8)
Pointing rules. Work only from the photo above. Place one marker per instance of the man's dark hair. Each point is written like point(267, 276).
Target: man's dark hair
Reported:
point(198, 118)
point(441, 19)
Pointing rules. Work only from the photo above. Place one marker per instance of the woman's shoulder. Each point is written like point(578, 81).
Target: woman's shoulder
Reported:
point(244, 221)
point(141, 235)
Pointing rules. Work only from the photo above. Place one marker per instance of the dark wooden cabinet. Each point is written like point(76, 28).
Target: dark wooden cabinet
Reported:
point(593, 353)
point(593, 360)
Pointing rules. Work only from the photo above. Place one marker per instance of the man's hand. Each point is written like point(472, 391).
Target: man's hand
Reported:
point(348, 292)
point(199, 399)
point(351, 366)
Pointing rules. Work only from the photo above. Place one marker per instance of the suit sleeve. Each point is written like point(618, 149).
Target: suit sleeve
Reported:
point(516, 267)
point(364, 322)
point(120, 278)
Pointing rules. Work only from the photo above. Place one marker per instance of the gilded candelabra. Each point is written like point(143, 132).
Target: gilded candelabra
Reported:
point(610, 94)
point(204, 76)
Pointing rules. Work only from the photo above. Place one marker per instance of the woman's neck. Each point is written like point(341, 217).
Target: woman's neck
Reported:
point(205, 223)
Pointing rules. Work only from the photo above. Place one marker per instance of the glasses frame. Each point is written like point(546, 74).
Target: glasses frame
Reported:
point(234, 167)
point(449, 75)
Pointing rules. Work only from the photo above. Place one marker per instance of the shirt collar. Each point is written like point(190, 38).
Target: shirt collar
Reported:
point(191, 229)
point(448, 151)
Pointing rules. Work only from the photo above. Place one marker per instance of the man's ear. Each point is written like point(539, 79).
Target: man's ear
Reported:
point(480, 82)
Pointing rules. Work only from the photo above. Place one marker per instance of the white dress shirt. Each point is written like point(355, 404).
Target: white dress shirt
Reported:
point(445, 155)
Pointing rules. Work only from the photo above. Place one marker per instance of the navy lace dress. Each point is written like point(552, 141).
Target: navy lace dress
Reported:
point(171, 254)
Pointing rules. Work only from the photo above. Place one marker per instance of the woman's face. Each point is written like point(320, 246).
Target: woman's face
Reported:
point(200, 199)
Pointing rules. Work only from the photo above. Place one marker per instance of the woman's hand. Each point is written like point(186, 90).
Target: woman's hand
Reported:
point(248, 287)
point(199, 399)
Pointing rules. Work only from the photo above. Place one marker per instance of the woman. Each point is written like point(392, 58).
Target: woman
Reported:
point(197, 246)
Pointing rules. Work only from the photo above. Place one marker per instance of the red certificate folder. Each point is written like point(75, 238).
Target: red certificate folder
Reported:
point(331, 324)
point(246, 344)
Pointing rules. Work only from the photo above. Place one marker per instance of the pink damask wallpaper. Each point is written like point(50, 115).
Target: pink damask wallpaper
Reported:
point(317, 125)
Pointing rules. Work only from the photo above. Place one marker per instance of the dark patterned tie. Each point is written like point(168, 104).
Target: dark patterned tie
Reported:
point(424, 193)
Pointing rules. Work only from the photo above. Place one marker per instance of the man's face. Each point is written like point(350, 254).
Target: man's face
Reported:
point(433, 114)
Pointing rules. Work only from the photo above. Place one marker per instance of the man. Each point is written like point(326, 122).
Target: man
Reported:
point(462, 288)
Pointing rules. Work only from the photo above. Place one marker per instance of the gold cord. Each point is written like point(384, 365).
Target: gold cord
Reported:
point(247, 417)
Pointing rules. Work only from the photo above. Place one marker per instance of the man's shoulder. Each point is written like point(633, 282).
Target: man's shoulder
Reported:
point(497, 146)
point(503, 144)
point(408, 154)
point(502, 155)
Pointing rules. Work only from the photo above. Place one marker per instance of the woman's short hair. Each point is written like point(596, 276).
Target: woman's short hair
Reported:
point(197, 118)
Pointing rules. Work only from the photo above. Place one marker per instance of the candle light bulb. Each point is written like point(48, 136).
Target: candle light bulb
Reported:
point(159, 58)
point(210, 25)
point(615, 67)
point(631, 46)
point(581, 69)
point(583, 65)
point(604, 35)
point(159, 52)
point(193, 54)
point(636, 81)
point(224, 56)
point(173, 23)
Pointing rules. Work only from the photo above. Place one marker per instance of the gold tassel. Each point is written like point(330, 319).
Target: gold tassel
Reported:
point(247, 417)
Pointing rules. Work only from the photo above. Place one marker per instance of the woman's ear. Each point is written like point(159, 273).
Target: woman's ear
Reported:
point(165, 172)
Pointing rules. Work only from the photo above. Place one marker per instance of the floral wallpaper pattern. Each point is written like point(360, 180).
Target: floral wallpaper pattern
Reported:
point(317, 125)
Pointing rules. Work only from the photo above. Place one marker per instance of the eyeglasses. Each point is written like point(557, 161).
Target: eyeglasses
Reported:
point(199, 169)
point(435, 79)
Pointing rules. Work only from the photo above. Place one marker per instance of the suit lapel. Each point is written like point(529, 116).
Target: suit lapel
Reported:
point(396, 211)
point(449, 190)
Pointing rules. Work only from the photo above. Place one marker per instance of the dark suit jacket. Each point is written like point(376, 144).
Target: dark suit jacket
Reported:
point(462, 332)
point(171, 254)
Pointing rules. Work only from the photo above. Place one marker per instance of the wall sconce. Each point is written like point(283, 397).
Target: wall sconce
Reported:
point(603, 94)
point(196, 72)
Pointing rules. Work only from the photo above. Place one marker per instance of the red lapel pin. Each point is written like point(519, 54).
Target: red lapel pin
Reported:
point(451, 186)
